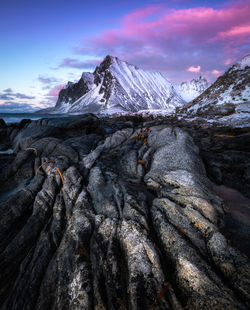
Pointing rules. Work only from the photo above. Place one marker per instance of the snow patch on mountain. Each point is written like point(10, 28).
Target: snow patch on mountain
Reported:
point(227, 97)
point(88, 79)
point(116, 85)
point(244, 62)
point(89, 100)
point(192, 89)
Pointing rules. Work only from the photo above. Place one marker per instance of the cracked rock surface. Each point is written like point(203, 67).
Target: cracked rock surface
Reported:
point(97, 214)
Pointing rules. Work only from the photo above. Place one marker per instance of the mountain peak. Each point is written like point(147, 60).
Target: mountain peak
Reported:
point(105, 64)
point(227, 95)
point(108, 59)
point(192, 89)
point(115, 61)
point(201, 78)
point(241, 64)
point(116, 85)
point(245, 61)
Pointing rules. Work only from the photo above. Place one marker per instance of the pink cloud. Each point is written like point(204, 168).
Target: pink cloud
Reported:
point(75, 63)
point(171, 40)
point(216, 72)
point(55, 90)
point(236, 31)
point(194, 69)
point(140, 15)
point(228, 61)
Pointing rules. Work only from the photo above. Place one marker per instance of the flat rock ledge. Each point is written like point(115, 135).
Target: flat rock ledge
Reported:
point(98, 215)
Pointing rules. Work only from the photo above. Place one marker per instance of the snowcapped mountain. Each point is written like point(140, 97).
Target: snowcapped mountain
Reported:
point(73, 91)
point(230, 93)
point(191, 90)
point(116, 86)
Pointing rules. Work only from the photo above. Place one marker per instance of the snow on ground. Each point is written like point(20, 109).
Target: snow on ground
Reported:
point(91, 97)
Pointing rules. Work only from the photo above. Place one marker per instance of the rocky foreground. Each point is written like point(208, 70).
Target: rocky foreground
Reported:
point(120, 214)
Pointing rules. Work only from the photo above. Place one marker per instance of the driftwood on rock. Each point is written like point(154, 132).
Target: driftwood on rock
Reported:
point(130, 222)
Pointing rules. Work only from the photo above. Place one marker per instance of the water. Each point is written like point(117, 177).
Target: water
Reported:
point(17, 117)
point(6, 152)
point(237, 221)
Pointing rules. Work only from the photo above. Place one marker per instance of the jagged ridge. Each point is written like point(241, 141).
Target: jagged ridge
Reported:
point(228, 94)
point(192, 89)
point(116, 85)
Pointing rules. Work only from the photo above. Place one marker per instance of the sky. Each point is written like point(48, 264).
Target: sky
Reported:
point(46, 43)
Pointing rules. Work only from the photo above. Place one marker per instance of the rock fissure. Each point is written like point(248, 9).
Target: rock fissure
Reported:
point(131, 225)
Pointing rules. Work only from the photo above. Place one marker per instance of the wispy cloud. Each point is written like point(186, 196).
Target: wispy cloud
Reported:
point(23, 96)
point(8, 94)
point(75, 63)
point(13, 106)
point(8, 90)
point(11, 101)
point(46, 104)
point(216, 72)
point(236, 31)
point(228, 61)
point(194, 69)
point(47, 80)
point(5, 97)
point(171, 40)
point(52, 95)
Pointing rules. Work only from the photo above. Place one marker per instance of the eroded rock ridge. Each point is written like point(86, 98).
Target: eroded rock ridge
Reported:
point(97, 214)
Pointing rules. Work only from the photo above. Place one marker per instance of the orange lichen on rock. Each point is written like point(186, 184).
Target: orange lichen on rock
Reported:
point(224, 136)
point(196, 225)
point(44, 163)
point(58, 171)
point(142, 162)
point(142, 135)
point(183, 232)
point(161, 294)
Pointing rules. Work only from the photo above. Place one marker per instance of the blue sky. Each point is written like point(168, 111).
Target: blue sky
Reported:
point(46, 43)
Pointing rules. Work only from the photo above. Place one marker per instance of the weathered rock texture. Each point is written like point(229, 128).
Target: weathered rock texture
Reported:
point(113, 215)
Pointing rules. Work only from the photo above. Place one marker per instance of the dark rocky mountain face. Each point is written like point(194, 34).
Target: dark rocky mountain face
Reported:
point(116, 86)
point(73, 91)
point(114, 214)
point(102, 75)
point(229, 93)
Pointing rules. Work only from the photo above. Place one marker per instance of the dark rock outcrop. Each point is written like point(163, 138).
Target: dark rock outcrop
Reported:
point(73, 91)
point(226, 153)
point(227, 98)
point(105, 214)
point(2, 123)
